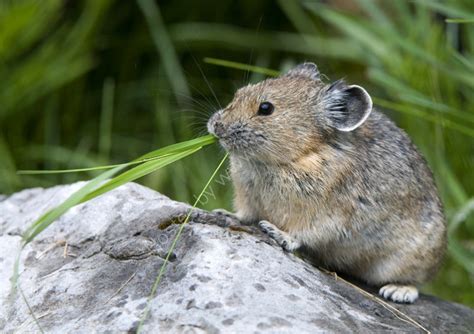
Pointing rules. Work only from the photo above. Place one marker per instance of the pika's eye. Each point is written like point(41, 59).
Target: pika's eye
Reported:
point(265, 109)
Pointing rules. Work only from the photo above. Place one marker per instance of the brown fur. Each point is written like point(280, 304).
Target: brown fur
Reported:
point(359, 197)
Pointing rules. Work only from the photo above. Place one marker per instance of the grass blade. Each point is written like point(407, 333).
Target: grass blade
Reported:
point(137, 172)
point(213, 35)
point(106, 118)
point(49, 217)
point(447, 9)
point(158, 154)
point(446, 123)
point(300, 19)
point(173, 245)
point(85, 169)
point(463, 255)
point(93, 189)
point(165, 47)
point(353, 28)
point(183, 146)
point(459, 20)
point(241, 66)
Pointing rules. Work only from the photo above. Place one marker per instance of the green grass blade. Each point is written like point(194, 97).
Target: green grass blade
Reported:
point(30, 310)
point(8, 179)
point(85, 169)
point(468, 64)
point(241, 66)
point(157, 154)
point(93, 189)
point(353, 28)
point(373, 9)
point(447, 9)
point(137, 172)
point(165, 48)
point(383, 43)
point(106, 118)
point(173, 245)
point(464, 256)
point(446, 123)
point(213, 35)
point(300, 19)
point(183, 146)
point(459, 20)
point(455, 187)
point(409, 94)
point(49, 217)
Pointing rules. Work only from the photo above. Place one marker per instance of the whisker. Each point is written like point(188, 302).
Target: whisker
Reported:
point(247, 73)
point(207, 82)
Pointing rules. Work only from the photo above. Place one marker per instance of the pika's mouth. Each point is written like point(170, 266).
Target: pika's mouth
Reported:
point(239, 140)
point(227, 141)
point(215, 128)
point(236, 137)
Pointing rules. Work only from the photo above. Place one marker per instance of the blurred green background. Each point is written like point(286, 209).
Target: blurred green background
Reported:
point(86, 83)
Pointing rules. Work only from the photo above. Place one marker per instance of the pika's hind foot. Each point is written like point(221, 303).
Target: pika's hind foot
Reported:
point(399, 293)
point(287, 242)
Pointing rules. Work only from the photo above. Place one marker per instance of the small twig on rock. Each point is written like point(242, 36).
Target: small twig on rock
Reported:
point(65, 249)
point(30, 309)
point(121, 288)
point(50, 248)
point(28, 322)
point(396, 312)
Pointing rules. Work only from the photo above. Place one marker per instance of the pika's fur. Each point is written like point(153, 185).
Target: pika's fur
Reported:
point(318, 168)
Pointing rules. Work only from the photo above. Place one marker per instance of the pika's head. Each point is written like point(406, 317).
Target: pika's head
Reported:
point(284, 118)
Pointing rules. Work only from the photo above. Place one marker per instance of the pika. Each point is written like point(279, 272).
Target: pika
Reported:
point(318, 168)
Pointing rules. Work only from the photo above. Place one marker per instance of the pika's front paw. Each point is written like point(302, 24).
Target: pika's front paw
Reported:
point(224, 212)
point(199, 216)
point(282, 238)
point(229, 217)
point(399, 293)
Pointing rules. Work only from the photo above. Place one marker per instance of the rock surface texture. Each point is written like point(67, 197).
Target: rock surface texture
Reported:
point(219, 280)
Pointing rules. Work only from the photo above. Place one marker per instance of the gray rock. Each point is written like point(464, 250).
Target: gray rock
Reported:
point(219, 279)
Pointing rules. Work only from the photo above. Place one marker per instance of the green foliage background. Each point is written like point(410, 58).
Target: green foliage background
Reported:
point(86, 83)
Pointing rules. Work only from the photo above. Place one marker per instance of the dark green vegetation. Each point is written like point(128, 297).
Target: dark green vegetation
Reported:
point(86, 83)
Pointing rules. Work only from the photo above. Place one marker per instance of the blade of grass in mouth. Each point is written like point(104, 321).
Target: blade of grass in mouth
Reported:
point(161, 157)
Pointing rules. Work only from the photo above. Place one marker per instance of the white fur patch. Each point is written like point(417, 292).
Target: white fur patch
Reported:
point(399, 293)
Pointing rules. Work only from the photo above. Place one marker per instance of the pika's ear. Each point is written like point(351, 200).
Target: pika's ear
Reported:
point(347, 107)
point(307, 70)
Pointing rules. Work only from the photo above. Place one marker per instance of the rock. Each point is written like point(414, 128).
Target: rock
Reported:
point(219, 279)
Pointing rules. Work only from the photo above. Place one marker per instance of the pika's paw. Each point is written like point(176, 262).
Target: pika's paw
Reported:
point(399, 293)
point(282, 238)
point(229, 217)
point(198, 216)
point(224, 212)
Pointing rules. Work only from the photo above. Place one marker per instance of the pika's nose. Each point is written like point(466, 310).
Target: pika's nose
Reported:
point(218, 128)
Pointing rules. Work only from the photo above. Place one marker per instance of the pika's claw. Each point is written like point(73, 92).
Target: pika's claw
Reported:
point(399, 293)
point(282, 238)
